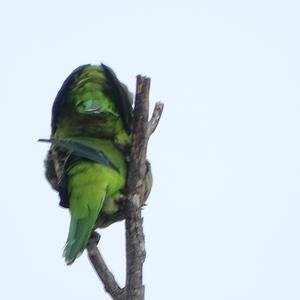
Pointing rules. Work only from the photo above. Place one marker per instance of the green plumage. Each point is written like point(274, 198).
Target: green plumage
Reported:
point(92, 187)
point(91, 135)
point(92, 102)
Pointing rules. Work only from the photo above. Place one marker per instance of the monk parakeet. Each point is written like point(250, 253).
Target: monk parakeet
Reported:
point(86, 164)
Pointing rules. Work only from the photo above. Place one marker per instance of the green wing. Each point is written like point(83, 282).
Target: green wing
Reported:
point(82, 151)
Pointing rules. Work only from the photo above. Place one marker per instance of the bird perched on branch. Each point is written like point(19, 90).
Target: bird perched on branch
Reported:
point(90, 139)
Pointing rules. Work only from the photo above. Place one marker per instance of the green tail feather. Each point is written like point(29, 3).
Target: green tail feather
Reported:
point(79, 234)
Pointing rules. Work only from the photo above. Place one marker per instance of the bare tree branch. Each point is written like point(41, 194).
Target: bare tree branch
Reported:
point(157, 112)
point(133, 200)
point(135, 240)
point(108, 279)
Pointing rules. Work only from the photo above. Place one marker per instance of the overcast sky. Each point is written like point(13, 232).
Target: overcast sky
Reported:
point(222, 221)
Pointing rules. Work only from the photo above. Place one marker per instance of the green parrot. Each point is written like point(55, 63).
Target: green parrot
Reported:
point(86, 163)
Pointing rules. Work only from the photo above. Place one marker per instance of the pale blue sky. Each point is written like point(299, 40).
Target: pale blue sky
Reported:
point(223, 218)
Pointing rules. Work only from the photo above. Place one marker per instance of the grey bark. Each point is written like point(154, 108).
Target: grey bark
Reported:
point(133, 200)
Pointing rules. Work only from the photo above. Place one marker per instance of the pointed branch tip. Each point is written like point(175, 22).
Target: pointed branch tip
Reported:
point(157, 112)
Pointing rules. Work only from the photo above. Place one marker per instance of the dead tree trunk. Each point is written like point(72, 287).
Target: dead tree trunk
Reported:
point(133, 199)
